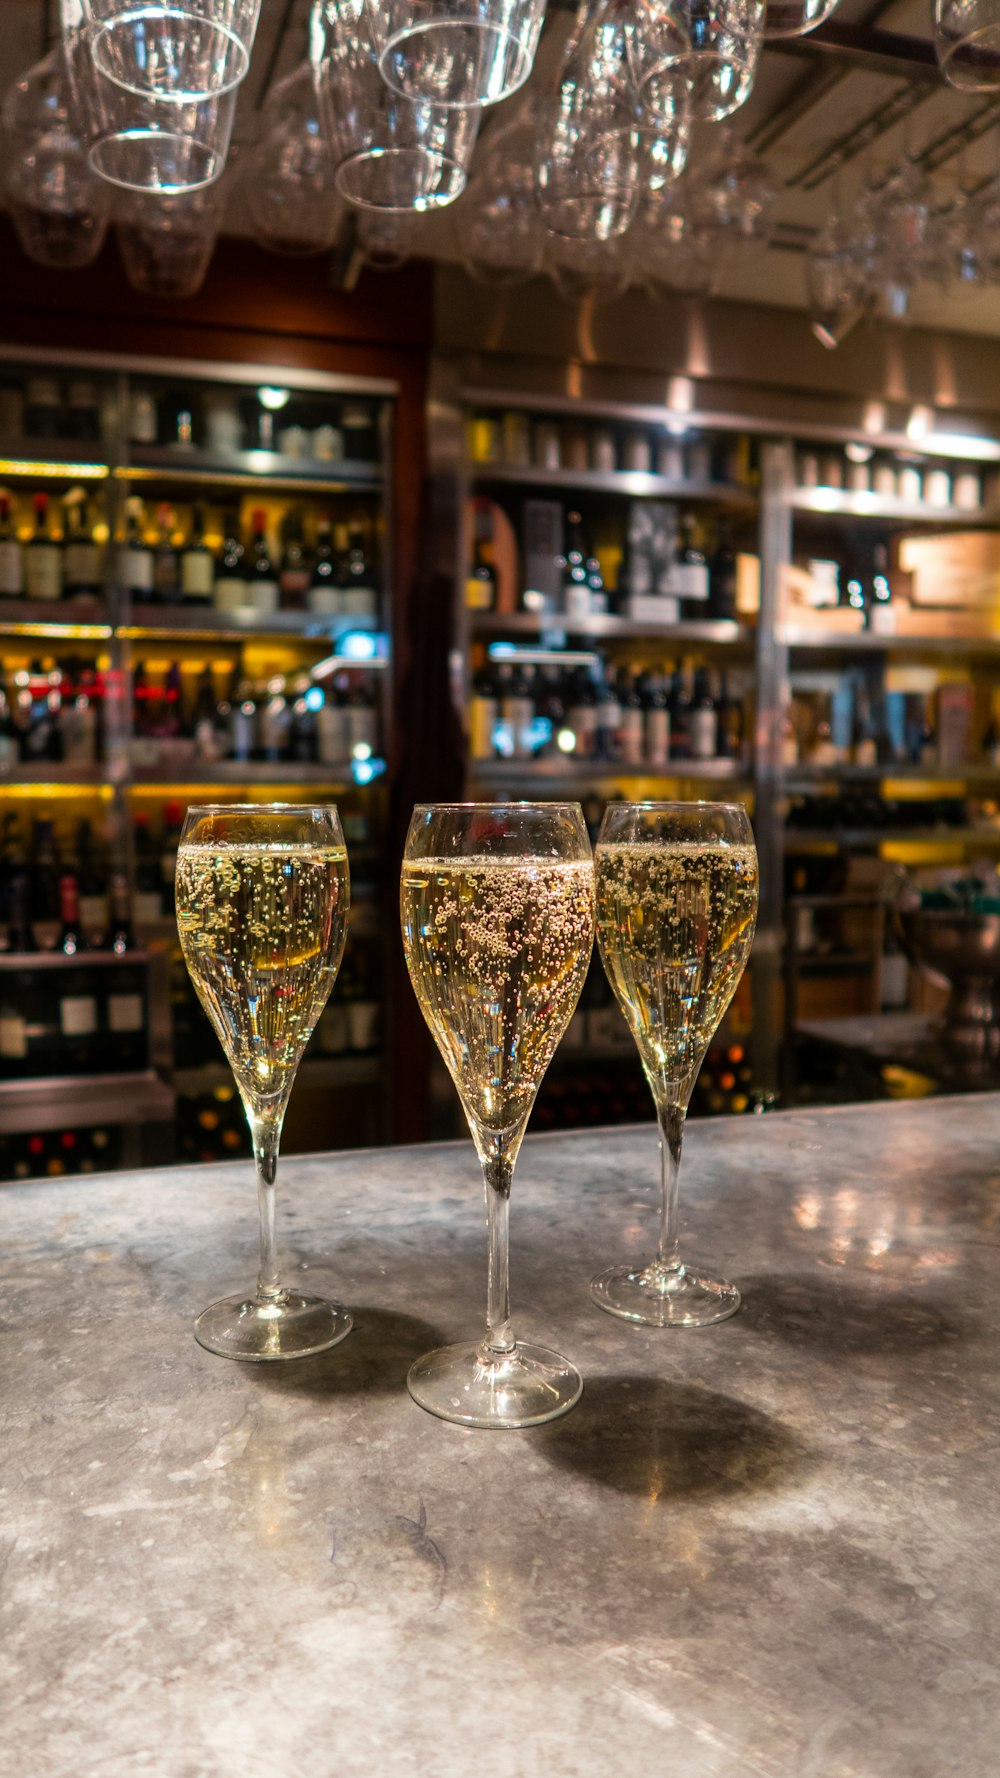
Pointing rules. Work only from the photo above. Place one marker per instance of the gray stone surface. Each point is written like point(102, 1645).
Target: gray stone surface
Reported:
point(765, 1549)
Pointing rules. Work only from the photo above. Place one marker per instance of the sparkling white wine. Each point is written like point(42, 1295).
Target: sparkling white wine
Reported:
point(675, 921)
point(497, 950)
point(262, 928)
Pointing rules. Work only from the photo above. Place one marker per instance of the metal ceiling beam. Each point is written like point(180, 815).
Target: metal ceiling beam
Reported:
point(865, 46)
point(860, 137)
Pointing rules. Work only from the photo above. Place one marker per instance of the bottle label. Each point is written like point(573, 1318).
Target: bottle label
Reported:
point(359, 601)
point(264, 596)
point(326, 601)
point(13, 1036)
point(658, 737)
point(363, 727)
point(11, 575)
point(137, 570)
point(125, 1012)
point(482, 721)
point(147, 906)
point(703, 729)
point(44, 572)
point(197, 574)
point(631, 733)
point(78, 1015)
point(93, 914)
point(69, 901)
point(333, 742)
point(691, 580)
point(83, 565)
point(231, 594)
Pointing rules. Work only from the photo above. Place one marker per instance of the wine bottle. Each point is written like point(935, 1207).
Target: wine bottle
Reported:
point(197, 568)
point(136, 559)
point(575, 591)
point(166, 576)
point(722, 575)
point(294, 579)
point(11, 559)
point(360, 592)
point(81, 556)
point(46, 919)
point(263, 580)
point(690, 575)
point(483, 712)
point(43, 556)
point(231, 592)
point(703, 725)
point(324, 596)
point(481, 580)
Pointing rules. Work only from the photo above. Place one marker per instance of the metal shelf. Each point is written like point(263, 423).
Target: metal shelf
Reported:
point(53, 459)
point(86, 621)
point(810, 775)
point(863, 505)
point(248, 469)
point(633, 483)
point(80, 1101)
point(718, 632)
point(317, 1071)
point(871, 642)
point(857, 839)
point(227, 772)
point(75, 777)
point(205, 623)
point(59, 960)
point(571, 771)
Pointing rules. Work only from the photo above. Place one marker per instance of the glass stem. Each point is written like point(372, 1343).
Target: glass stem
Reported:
point(671, 1122)
point(266, 1133)
point(498, 1172)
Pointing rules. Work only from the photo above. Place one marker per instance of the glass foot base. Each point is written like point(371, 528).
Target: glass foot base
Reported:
point(664, 1296)
point(262, 1331)
point(525, 1388)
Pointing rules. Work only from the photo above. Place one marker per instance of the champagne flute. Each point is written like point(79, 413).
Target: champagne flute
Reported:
point(263, 893)
point(676, 909)
point(497, 912)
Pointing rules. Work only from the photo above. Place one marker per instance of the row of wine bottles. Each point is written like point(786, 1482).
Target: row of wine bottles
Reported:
point(65, 896)
point(630, 716)
point(665, 567)
point(87, 1018)
point(50, 1154)
point(335, 578)
point(57, 712)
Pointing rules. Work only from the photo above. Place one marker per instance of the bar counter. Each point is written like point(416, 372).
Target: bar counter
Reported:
point(763, 1550)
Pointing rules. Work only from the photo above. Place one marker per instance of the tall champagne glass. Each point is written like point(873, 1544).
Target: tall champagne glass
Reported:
point(676, 908)
point(263, 893)
point(497, 911)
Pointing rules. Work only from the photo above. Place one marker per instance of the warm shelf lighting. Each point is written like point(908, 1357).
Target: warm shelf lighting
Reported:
point(61, 632)
point(91, 472)
point(56, 792)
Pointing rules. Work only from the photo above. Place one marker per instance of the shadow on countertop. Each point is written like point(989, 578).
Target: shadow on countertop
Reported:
point(843, 1316)
point(374, 1358)
point(672, 1441)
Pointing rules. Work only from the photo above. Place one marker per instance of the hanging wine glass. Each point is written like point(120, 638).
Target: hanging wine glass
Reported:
point(387, 241)
point(182, 51)
point(588, 166)
point(793, 18)
point(60, 211)
point(665, 129)
point(716, 43)
point(743, 196)
point(967, 43)
point(290, 177)
point(391, 154)
point(593, 272)
point(141, 143)
point(167, 244)
point(498, 227)
point(680, 244)
point(456, 52)
point(835, 280)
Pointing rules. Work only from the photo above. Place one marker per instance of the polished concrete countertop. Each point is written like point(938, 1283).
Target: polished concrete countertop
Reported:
point(768, 1548)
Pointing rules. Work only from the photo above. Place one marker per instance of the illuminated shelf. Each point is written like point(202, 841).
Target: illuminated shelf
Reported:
point(718, 631)
point(863, 505)
point(853, 839)
point(811, 775)
point(65, 777)
point(227, 773)
point(59, 960)
point(633, 483)
point(58, 619)
point(52, 459)
point(203, 623)
point(317, 1071)
point(573, 771)
point(82, 1100)
point(871, 642)
point(248, 469)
